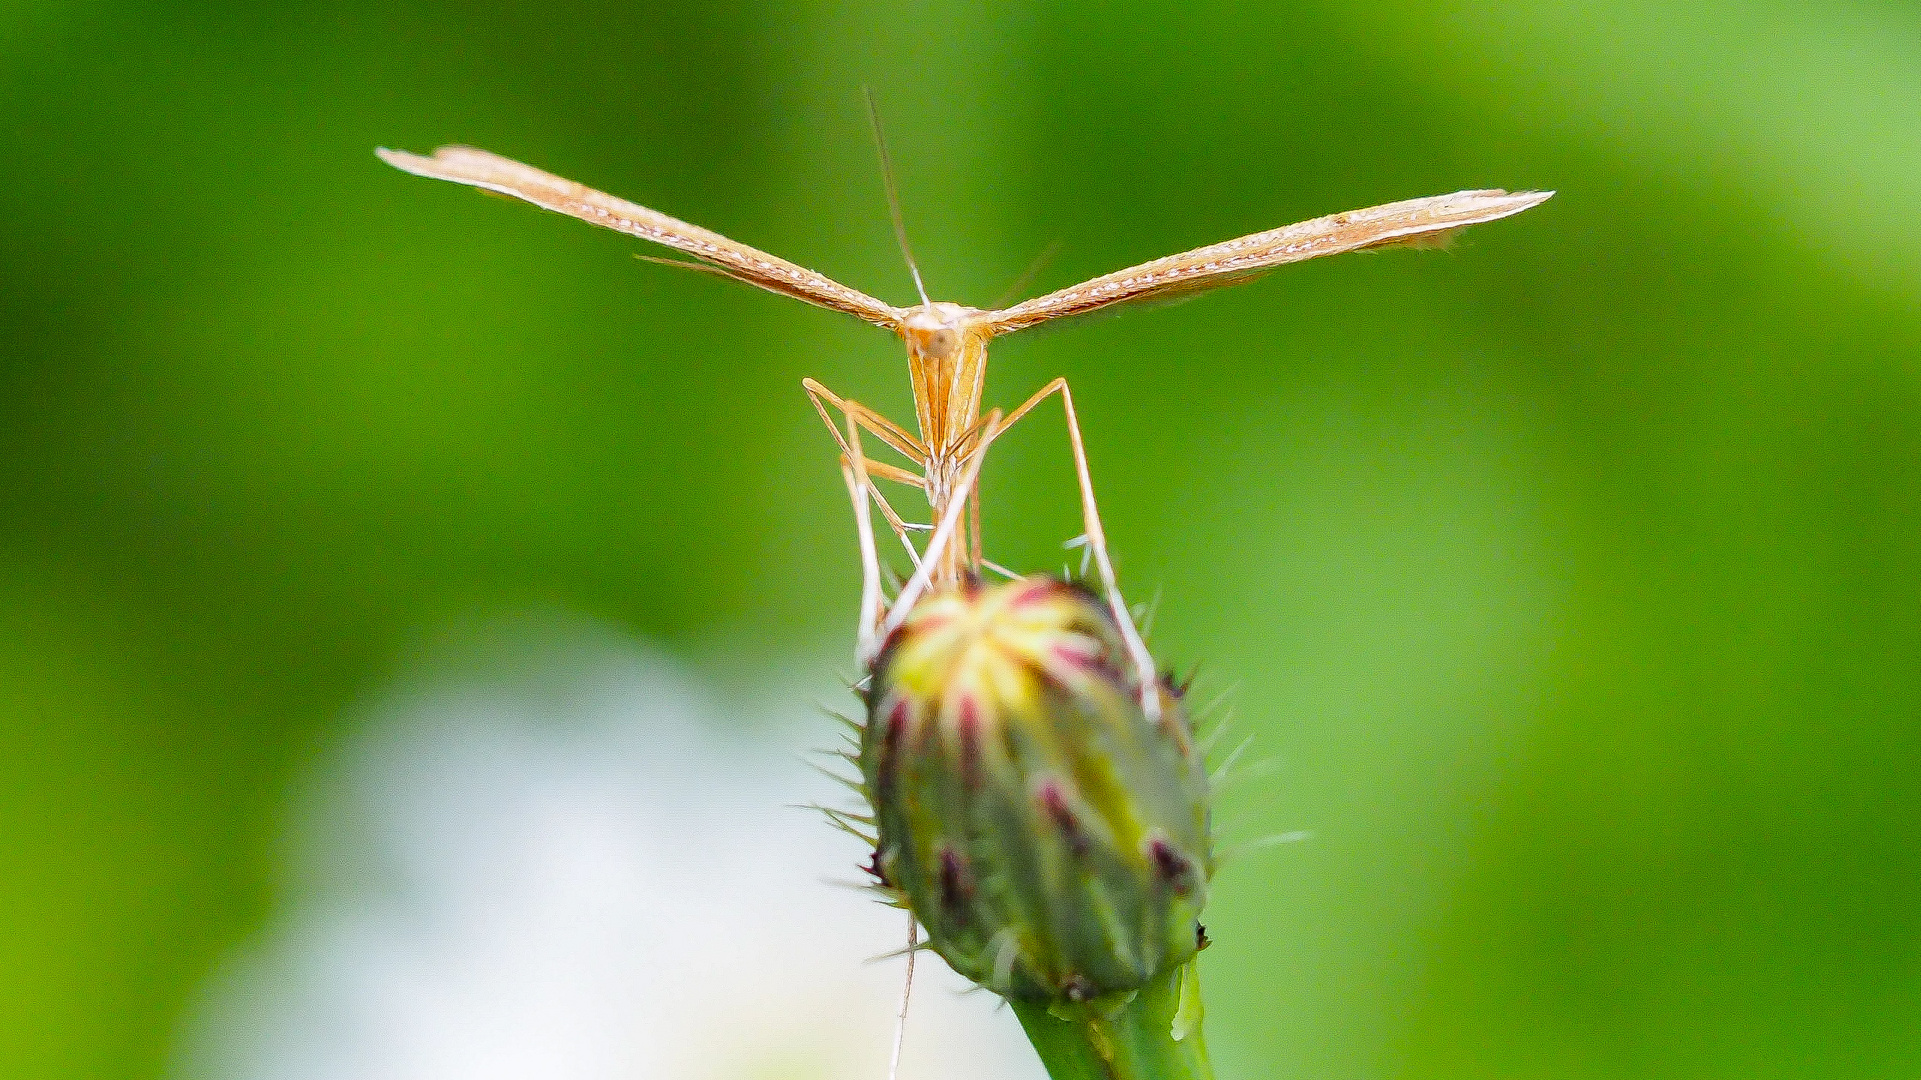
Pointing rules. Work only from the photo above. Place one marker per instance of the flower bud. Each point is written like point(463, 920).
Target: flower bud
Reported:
point(1053, 841)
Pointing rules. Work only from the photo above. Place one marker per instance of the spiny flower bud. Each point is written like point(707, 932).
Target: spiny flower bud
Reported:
point(1051, 838)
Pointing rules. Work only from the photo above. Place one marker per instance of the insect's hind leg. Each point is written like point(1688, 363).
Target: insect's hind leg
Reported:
point(1097, 543)
point(860, 488)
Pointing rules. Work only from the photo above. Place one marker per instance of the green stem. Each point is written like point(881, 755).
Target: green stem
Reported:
point(1132, 1039)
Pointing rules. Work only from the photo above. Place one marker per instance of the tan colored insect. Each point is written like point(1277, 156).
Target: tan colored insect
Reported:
point(947, 353)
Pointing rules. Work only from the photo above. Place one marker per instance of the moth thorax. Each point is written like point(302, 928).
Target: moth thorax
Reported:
point(935, 331)
point(947, 356)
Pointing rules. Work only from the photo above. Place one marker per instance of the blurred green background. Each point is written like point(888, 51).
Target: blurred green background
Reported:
point(1569, 576)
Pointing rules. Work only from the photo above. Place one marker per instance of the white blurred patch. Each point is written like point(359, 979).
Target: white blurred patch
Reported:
point(565, 864)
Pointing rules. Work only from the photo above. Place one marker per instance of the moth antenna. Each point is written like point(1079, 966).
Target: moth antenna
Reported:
point(1027, 276)
point(893, 197)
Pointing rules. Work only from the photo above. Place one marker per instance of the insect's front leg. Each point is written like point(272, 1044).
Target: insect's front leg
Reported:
point(853, 468)
point(952, 505)
point(860, 417)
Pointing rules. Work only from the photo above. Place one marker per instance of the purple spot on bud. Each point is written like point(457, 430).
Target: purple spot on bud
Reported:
point(956, 883)
point(1077, 658)
point(1054, 805)
point(1170, 865)
point(927, 624)
point(1077, 988)
point(970, 741)
point(886, 779)
point(1038, 592)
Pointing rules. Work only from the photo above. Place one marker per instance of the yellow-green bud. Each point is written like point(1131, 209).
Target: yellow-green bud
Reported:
point(1053, 840)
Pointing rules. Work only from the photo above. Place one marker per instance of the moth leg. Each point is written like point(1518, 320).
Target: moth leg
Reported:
point(894, 521)
point(974, 521)
point(1097, 543)
point(859, 416)
point(880, 470)
point(859, 488)
point(907, 989)
point(884, 429)
point(950, 521)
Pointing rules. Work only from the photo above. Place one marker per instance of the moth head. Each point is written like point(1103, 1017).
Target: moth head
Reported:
point(935, 331)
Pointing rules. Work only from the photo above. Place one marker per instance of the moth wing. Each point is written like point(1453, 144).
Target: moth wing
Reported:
point(491, 172)
point(1414, 223)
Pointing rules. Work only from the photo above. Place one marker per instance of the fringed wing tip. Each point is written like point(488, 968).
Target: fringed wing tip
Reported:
point(1501, 198)
point(401, 159)
point(462, 164)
